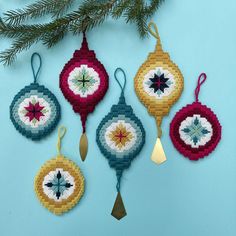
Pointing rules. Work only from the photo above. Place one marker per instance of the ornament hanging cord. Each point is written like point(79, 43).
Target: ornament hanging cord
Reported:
point(36, 73)
point(155, 34)
point(122, 98)
point(61, 134)
point(201, 79)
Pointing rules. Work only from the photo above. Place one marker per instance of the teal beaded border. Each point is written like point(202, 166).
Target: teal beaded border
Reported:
point(50, 127)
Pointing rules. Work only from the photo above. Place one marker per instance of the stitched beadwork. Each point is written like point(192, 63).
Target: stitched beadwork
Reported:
point(35, 111)
point(59, 184)
point(158, 84)
point(84, 82)
point(120, 137)
point(195, 130)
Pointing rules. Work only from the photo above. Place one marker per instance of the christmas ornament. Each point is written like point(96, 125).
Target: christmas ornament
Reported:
point(59, 184)
point(35, 111)
point(120, 137)
point(195, 130)
point(158, 84)
point(84, 82)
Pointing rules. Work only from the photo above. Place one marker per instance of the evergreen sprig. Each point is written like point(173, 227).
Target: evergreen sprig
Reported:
point(89, 14)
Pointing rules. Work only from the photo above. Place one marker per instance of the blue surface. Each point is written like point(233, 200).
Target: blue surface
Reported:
point(178, 198)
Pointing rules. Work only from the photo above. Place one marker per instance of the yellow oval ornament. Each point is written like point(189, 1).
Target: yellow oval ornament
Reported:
point(158, 84)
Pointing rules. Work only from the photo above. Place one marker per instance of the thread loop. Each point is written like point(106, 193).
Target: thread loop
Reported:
point(36, 72)
point(61, 134)
point(154, 32)
point(201, 79)
point(117, 80)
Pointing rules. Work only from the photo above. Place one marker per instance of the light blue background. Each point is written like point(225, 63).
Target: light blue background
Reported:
point(178, 198)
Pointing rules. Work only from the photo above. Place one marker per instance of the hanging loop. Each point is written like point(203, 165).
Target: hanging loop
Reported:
point(117, 80)
point(201, 79)
point(154, 32)
point(36, 73)
point(61, 133)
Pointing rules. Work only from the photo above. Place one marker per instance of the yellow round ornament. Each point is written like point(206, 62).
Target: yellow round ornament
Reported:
point(158, 84)
point(59, 184)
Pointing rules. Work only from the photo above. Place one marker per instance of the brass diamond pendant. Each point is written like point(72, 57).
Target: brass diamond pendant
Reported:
point(118, 210)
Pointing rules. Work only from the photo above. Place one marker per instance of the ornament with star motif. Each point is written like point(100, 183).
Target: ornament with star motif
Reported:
point(195, 130)
point(120, 137)
point(158, 84)
point(84, 82)
point(59, 184)
point(35, 111)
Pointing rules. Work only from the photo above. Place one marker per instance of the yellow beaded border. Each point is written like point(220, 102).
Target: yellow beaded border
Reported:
point(65, 205)
point(158, 107)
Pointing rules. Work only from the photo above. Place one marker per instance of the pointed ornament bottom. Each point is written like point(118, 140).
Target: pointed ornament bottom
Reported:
point(158, 154)
point(118, 210)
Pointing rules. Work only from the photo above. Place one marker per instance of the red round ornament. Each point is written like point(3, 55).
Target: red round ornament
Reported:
point(195, 130)
point(84, 82)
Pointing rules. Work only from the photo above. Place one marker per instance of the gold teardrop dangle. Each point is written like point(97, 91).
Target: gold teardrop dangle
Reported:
point(158, 84)
point(83, 146)
point(118, 210)
point(158, 154)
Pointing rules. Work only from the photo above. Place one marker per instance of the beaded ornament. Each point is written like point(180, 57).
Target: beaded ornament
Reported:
point(35, 111)
point(84, 82)
point(158, 84)
point(120, 137)
point(59, 184)
point(195, 130)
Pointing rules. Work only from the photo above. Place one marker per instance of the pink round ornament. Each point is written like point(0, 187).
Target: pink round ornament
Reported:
point(195, 130)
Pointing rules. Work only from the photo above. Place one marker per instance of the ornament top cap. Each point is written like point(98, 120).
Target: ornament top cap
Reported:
point(152, 28)
point(84, 50)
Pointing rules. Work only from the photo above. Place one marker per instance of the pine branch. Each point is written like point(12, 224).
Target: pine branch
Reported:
point(150, 9)
point(8, 56)
point(43, 7)
point(89, 14)
point(119, 8)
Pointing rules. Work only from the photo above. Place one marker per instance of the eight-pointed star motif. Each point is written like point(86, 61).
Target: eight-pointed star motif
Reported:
point(34, 111)
point(159, 83)
point(120, 136)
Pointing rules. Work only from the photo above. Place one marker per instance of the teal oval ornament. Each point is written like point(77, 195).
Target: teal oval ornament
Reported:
point(120, 137)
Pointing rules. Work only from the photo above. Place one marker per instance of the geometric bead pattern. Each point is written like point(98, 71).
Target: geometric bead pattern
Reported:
point(35, 111)
point(195, 131)
point(59, 185)
point(159, 83)
point(120, 157)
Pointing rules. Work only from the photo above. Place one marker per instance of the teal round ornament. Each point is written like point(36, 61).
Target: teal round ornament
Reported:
point(35, 110)
point(120, 137)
